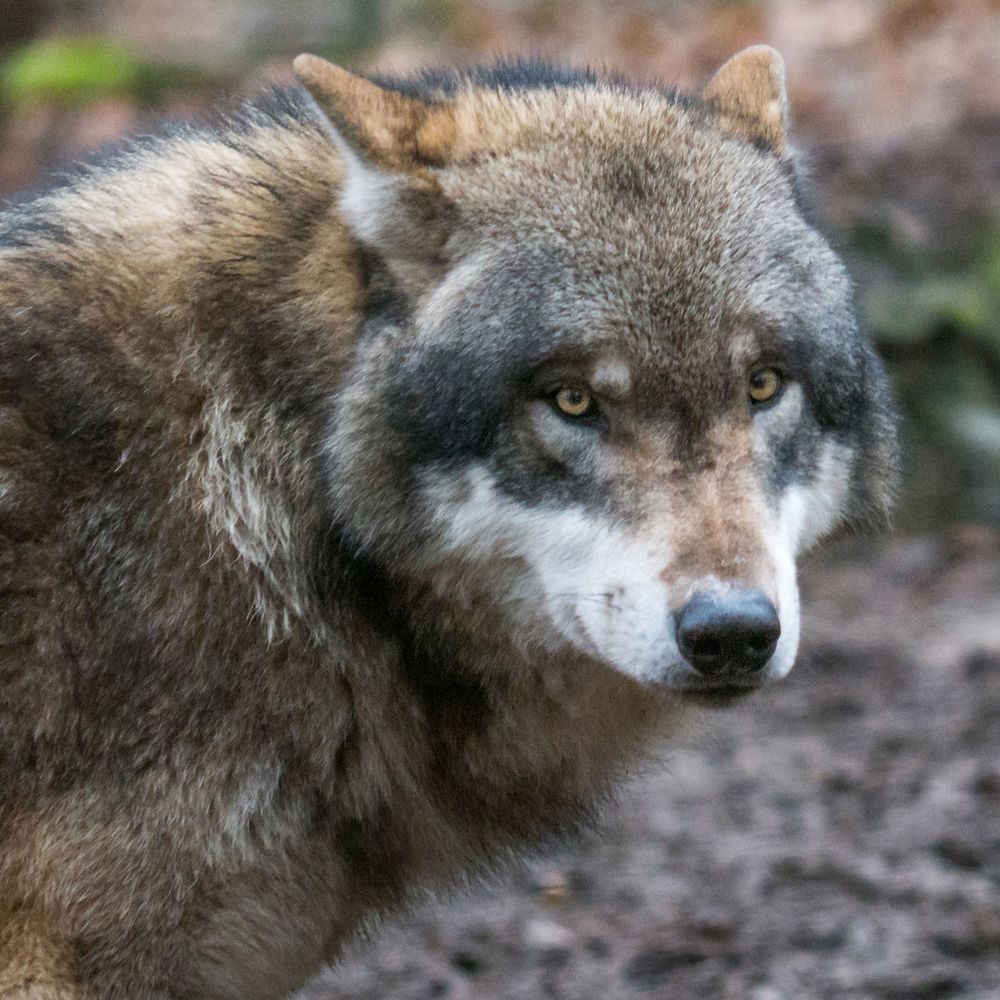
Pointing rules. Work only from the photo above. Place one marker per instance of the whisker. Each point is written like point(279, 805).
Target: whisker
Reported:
point(605, 598)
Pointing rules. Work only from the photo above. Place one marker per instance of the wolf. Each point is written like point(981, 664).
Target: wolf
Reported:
point(383, 473)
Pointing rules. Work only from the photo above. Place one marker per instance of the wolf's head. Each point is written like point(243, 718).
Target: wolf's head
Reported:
point(611, 381)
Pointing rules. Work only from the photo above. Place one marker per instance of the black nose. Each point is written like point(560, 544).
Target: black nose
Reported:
point(732, 632)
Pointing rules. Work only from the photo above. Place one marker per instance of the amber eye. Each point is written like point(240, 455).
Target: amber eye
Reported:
point(765, 384)
point(575, 402)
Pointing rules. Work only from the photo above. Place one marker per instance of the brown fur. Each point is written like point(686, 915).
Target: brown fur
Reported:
point(749, 93)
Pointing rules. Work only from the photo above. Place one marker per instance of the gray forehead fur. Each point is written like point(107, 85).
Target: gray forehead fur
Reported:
point(700, 244)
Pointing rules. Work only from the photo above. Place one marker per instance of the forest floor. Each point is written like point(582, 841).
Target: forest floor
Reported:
point(836, 837)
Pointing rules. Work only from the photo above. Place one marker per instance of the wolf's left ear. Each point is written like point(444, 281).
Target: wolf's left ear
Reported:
point(748, 94)
point(389, 143)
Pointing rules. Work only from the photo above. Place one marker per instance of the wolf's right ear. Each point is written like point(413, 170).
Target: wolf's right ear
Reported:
point(748, 94)
point(390, 144)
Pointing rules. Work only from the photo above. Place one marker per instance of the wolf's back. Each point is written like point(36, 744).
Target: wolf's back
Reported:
point(166, 321)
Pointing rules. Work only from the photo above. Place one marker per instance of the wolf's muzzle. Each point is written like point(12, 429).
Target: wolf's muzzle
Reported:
point(730, 635)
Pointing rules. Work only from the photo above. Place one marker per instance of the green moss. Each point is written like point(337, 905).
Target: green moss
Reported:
point(77, 71)
point(68, 70)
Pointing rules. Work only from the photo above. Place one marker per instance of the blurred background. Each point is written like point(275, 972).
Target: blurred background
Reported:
point(840, 838)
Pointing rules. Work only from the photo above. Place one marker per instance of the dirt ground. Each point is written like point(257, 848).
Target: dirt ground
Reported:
point(836, 837)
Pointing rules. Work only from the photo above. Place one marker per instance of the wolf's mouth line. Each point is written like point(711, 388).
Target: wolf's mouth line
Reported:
point(714, 695)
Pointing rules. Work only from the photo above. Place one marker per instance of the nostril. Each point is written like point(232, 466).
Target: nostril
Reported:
point(705, 646)
point(733, 632)
point(763, 642)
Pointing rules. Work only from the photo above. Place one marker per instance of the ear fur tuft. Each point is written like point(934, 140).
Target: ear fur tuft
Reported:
point(384, 127)
point(748, 94)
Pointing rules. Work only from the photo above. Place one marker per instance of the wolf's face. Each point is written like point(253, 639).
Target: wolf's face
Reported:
point(613, 383)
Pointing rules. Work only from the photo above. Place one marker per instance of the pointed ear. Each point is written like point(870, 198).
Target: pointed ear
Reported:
point(385, 127)
point(390, 144)
point(748, 94)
